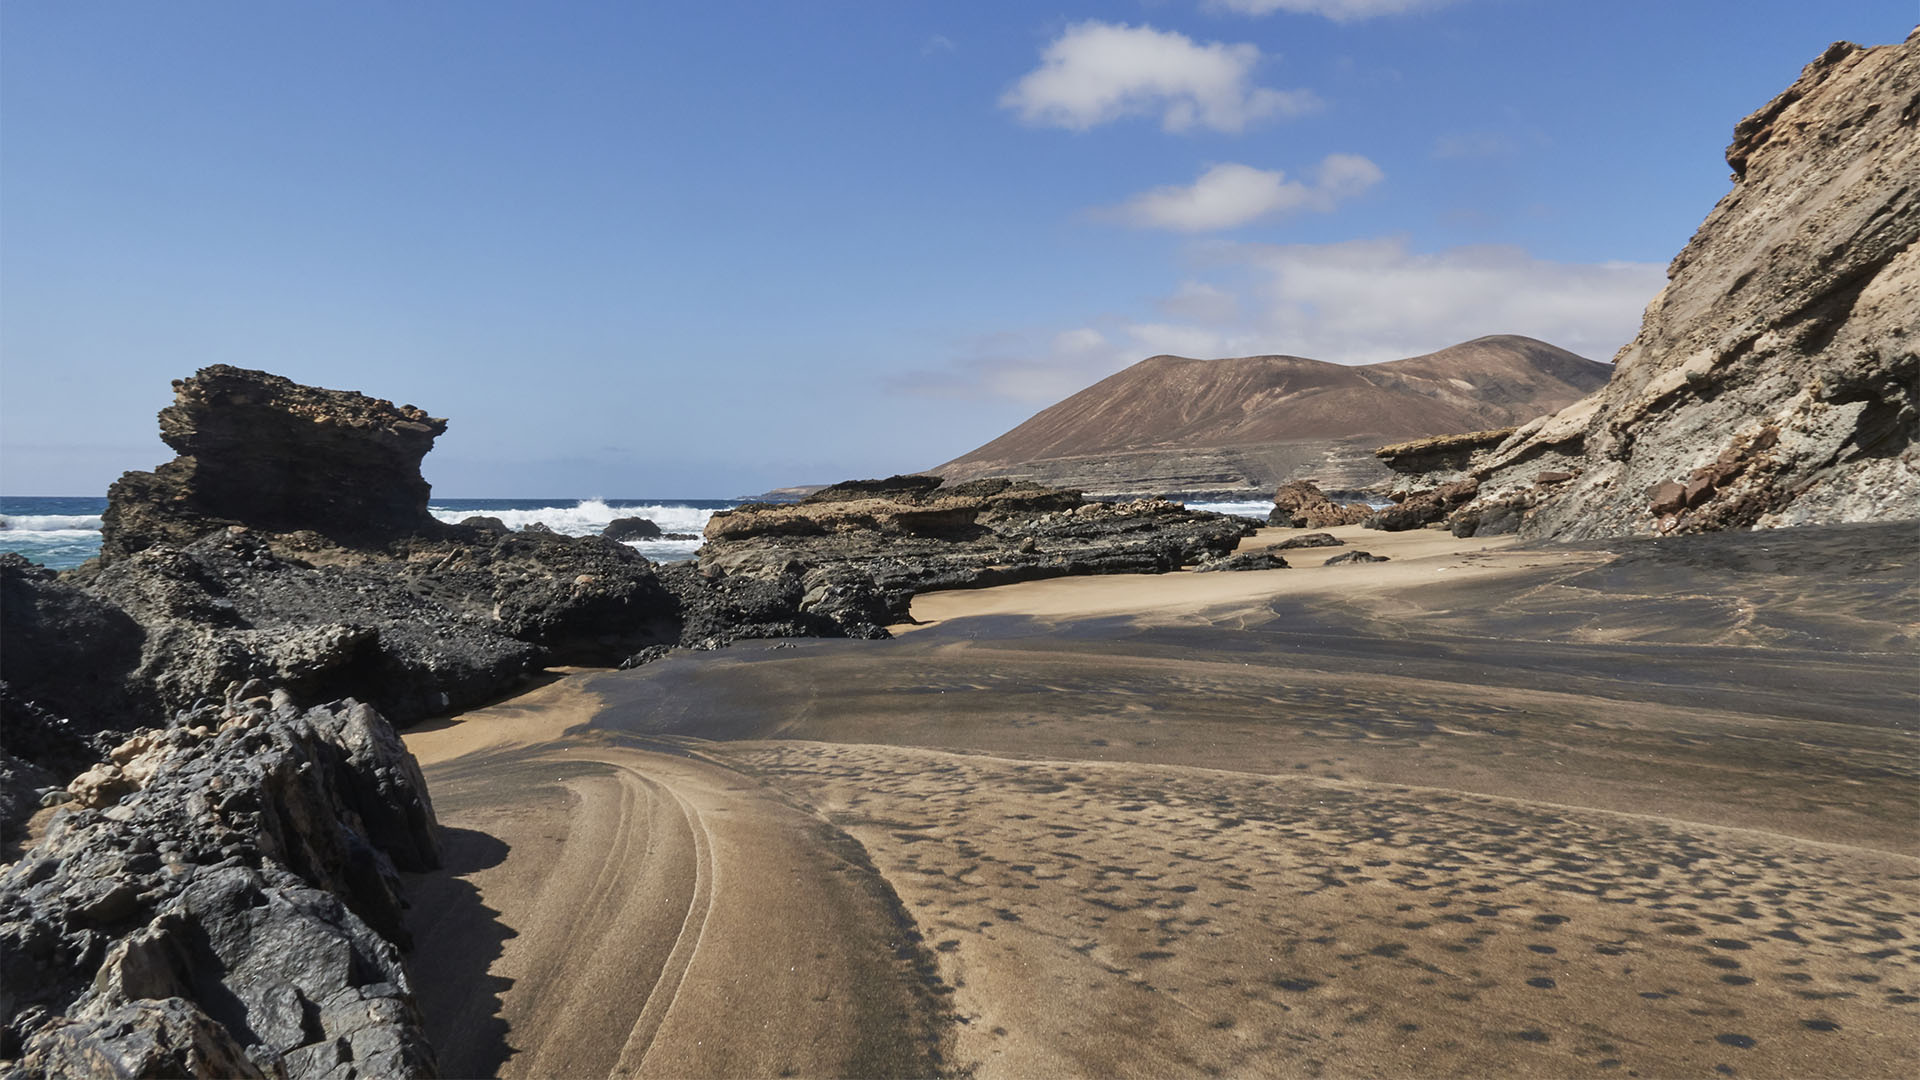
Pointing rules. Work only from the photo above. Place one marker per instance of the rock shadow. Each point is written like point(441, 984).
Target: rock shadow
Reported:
point(456, 940)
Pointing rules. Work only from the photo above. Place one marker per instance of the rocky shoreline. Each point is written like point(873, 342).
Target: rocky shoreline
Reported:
point(202, 721)
point(208, 709)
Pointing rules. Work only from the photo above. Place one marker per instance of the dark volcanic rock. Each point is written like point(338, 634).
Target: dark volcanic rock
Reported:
point(908, 487)
point(1776, 379)
point(1267, 559)
point(71, 652)
point(238, 902)
point(631, 528)
point(264, 451)
point(1354, 557)
point(1302, 505)
point(1309, 540)
point(227, 608)
point(856, 562)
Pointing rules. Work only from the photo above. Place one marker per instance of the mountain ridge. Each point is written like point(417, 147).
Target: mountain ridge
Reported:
point(1255, 421)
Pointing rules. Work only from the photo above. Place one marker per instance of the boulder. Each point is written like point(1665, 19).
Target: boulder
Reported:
point(1267, 559)
point(1354, 557)
point(1420, 509)
point(1302, 505)
point(264, 451)
point(1307, 540)
point(631, 528)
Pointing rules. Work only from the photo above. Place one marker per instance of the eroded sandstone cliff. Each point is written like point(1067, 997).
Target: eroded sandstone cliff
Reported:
point(1774, 380)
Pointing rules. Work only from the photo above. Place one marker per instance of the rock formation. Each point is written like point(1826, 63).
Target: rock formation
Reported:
point(1236, 428)
point(222, 900)
point(857, 553)
point(264, 451)
point(1302, 505)
point(1774, 380)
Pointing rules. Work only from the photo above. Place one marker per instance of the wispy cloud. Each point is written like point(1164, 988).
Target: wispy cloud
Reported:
point(938, 43)
point(1098, 72)
point(1363, 301)
point(1337, 10)
point(1230, 195)
point(1357, 302)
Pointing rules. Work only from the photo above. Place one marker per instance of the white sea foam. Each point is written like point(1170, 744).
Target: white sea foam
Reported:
point(62, 524)
point(589, 517)
point(1256, 509)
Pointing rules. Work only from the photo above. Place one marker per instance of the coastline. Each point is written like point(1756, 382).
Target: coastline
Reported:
point(1381, 825)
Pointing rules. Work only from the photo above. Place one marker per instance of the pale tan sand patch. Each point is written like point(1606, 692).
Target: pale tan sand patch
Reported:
point(1417, 557)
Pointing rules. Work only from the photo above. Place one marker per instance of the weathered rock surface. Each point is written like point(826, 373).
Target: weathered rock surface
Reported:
point(1442, 457)
point(223, 900)
point(1302, 505)
point(1416, 510)
point(1308, 540)
point(264, 451)
point(1355, 557)
point(1268, 558)
point(67, 649)
point(1774, 381)
point(227, 608)
point(858, 553)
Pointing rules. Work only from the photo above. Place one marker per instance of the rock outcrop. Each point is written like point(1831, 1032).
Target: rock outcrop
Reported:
point(631, 528)
point(858, 553)
point(264, 451)
point(1774, 381)
point(222, 899)
point(1236, 428)
point(1448, 456)
point(1302, 505)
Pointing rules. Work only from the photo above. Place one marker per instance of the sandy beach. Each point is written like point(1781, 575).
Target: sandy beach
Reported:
point(1634, 809)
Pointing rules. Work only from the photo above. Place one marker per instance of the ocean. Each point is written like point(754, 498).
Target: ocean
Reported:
point(60, 532)
point(65, 532)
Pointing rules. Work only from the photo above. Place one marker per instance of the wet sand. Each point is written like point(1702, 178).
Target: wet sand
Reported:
point(1646, 809)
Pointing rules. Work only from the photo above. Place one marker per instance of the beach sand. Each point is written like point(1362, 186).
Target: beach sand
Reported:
point(1632, 809)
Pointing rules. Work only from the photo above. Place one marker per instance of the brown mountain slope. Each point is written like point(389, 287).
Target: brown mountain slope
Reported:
point(1277, 414)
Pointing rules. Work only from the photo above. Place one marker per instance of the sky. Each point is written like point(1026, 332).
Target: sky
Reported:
point(705, 249)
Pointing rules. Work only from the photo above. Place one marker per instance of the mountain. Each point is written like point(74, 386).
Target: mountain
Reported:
point(1224, 428)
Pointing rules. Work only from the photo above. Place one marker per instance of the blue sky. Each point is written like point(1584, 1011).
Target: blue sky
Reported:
point(705, 249)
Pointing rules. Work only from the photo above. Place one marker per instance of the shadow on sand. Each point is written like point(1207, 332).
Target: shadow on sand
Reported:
point(456, 940)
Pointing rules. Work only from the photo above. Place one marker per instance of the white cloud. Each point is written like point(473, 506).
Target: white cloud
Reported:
point(1097, 72)
point(1228, 195)
point(1337, 10)
point(1357, 302)
point(1201, 301)
point(938, 43)
point(1174, 339)
point(1369, 300)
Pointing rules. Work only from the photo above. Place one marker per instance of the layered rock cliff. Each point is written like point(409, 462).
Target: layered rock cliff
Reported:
point(1774, 381)
point(265, 451)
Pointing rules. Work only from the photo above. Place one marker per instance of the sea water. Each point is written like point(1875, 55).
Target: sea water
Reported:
point(65, 532)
